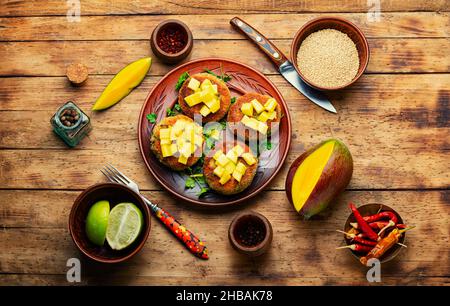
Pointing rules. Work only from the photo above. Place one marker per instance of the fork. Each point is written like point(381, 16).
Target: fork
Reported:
point(191, 241)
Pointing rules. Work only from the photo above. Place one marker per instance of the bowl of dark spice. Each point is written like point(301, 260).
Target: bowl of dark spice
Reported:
point(250, 233)
point(330, 53)
point(171, 41)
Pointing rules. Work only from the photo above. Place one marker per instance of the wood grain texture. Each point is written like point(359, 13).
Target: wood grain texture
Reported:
point(399, 25)
point(406, 117)
point(107, 7)
point(50, 58)
point(296, 245)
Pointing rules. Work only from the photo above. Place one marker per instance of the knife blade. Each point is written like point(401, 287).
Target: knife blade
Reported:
point(284, 66)
point(288, 71)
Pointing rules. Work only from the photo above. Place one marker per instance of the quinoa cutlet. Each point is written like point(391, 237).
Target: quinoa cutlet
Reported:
point(232, 186)
point(222, 89)
point(235, 114)
point(171, 161)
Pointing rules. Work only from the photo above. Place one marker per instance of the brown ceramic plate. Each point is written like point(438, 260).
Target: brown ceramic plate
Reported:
point(371, 209)
point(244, 79)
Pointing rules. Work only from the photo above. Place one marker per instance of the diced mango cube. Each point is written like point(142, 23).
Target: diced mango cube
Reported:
point(263, 127)
point(229, 168)
point(237, 175)
point(249, 158)
point(215, 106)
point(251, 123)
point(245, 120)
point(183, 159)
point(179, 127)
point(166, 141)
point(215, 134)
point(247, 109)
point(270, 105)
point(165, 133)
point(193, 84)
point(263, 117)
point(167, 150)
point(232, 155)
point(207, 95)
point(214, 87)
point(204, 111)
point(219, 171)
point(257, 106)
point(198, 140)
point(186, 149)
point(225, 178)
point(272, 115)
point(206, 83)
point(240, 167)
point(222, 160)
point(194, 99)
point(238, 149)
point(217, 155)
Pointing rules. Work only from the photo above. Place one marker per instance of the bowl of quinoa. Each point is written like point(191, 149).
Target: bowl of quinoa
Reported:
point(330, 53)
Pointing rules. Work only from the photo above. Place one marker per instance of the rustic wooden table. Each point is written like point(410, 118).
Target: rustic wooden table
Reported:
point(395, 121)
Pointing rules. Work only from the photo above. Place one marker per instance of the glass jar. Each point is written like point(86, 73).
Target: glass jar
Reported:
point(71, 132)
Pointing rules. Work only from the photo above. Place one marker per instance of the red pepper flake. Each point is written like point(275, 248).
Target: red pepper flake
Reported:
point(171, 40)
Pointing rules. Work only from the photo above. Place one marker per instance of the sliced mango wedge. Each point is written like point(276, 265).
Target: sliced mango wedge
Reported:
point(123, 83)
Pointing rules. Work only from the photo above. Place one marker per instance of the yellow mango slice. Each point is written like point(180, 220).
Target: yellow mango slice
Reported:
point(237, 175)
point(272, 115)
point(183, 159)
point(222, 160)
point(193, 84)
point(263, 117)
point(262, 128)
point(219, 171)
point(238, 149)
point(232, 155)
point(165, 141)
point(123, 83)
point(168, 150)
point(247, 109)
point(225, 178)
point(204, 111)
point(194, 99)
point(270, 105)
point(249, 158)
point(214, 86)
point(217, 155)
point(229, 168)
point(308, 174)
point(257, 106)
point(206, 83)
point(240, 167)
point(215, 106)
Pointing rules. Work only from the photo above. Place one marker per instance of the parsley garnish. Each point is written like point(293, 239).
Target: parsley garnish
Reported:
point(224, 77)
point(170, 112)
point(233, 100)
point(177, 107)
point(203, 191)
point(189, 183)
point(181, 80)
point(151, 117)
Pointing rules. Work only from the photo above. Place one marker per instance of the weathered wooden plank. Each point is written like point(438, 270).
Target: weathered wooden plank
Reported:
point(275, 26)
point(296, 243)
point(50, 58)
point(405, 144)
point(106, 7)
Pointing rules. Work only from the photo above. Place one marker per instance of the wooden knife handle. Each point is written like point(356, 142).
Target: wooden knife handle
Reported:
point(262, 42)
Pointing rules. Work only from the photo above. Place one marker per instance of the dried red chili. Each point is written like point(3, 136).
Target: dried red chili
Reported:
point(171, 40)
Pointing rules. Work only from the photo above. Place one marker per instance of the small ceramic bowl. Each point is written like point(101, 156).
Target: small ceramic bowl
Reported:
point(115, 194)
point(368, 210)
point(241, 223)
point(339, 24)
point(172, 58)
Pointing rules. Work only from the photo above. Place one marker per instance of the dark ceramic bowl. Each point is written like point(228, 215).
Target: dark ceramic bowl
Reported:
point(339, 24)
point(240, 223)
point(172, 58)
point(371, 209)
point(115, 194)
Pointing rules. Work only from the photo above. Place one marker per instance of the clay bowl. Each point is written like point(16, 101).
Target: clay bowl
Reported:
point(115, 194)
point(339, 24)
point(172, 58)
point(371, 209)
point(240, 223)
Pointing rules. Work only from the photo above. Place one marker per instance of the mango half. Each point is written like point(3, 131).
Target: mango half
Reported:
point(318, 176)
point(123, 83)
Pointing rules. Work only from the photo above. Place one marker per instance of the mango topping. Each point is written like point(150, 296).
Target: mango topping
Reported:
point(249, 158)
point(184, 137)
point(206, 93)
point(264, 113)
point(228, 165)
point(257, 106)
point(270, 105)
point(247, 109)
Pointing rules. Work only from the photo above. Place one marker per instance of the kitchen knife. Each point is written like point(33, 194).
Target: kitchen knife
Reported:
point(285, 67)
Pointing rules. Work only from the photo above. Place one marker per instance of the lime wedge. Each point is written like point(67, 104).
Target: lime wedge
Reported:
point(97, 222)
point(124, 225)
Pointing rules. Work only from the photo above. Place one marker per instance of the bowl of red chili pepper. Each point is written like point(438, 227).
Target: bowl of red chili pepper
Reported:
point(374, 231)
point(171, 41)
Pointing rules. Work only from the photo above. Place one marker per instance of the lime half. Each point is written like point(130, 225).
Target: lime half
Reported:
point(124, 225)
point(97, 222)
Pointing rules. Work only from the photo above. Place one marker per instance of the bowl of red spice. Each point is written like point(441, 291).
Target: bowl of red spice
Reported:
point(250, 233)
point(330, 53)
point(171, 41)
point(374, 231)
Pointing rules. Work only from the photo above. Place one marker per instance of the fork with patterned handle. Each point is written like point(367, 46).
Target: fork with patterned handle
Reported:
point(191, 241)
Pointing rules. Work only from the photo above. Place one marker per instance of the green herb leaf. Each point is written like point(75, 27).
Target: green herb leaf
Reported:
point(177, 107)
point(210, 142)
point(181, 80)
point(224, 77)
point(151, 117)
point(203, 191)
point(189, 183)
point(268, 145)
point(233, 100)
point(170, 112)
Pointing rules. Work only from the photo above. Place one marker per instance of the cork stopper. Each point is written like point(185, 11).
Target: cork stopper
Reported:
point(77, 73)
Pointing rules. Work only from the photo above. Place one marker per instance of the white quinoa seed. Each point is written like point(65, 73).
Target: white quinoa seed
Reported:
point(328, 58)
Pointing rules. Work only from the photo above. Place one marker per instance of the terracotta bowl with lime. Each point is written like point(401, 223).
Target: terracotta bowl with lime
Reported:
point(109, 223)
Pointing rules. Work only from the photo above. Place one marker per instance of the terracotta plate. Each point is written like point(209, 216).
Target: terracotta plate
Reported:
point(244, 79)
